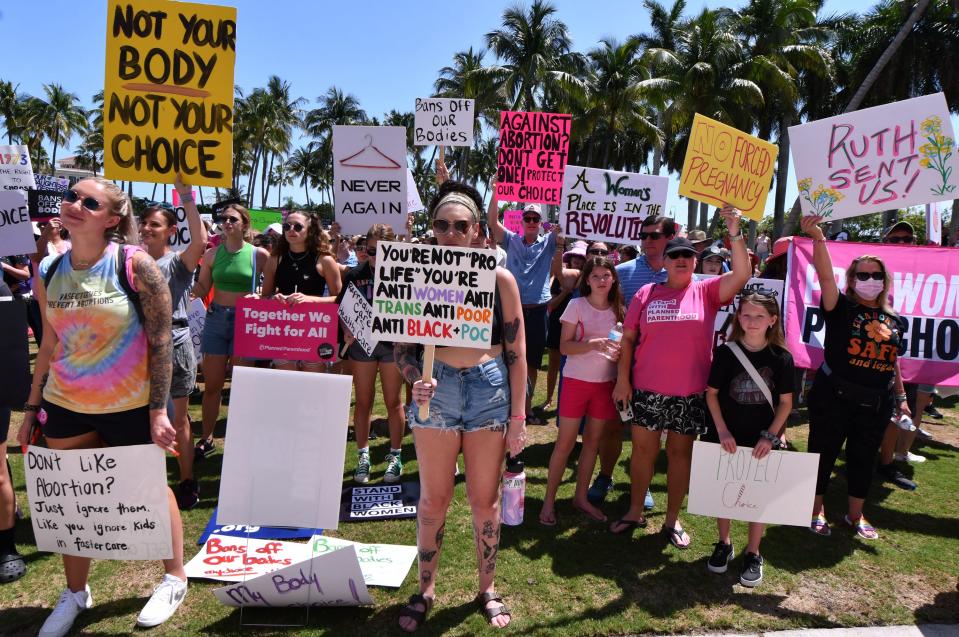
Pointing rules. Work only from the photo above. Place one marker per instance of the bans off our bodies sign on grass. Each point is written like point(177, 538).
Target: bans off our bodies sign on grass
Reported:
point(533, 148)
point(606, 205)
point(168, 98)
point(434, 295)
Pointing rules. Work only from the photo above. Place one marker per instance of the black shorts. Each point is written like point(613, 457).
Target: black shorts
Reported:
point(4, 423)
point(534, 321)
point(120, 429)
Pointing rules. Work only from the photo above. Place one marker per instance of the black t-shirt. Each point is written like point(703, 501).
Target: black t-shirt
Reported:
point(862, 343)
point(362, 277)
point(744, 408)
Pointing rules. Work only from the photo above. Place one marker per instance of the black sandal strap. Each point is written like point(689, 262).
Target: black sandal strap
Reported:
point(485, 598)
point(419, 616)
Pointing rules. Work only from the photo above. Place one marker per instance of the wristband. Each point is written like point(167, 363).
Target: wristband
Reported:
point(187, 198)
point(901, 397)
point(29, 407)
point(771, 437)
point(736, 237)
point(822, 241)
point(523, 418)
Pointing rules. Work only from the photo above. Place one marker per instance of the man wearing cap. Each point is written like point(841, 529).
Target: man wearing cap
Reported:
point(529, 257)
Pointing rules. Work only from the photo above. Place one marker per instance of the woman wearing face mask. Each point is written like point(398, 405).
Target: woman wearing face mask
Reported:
point(301, 270)
point(859, 384)
point(232, 269)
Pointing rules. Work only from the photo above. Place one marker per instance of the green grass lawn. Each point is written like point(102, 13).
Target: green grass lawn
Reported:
point(576, 578)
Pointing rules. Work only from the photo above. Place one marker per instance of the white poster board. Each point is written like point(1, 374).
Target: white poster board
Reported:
point(16, 172)
point(357, 317)
point(413, 201)
point(16, 231)
point(283, 456)
point(779, 489)
point(181, 240)
point(880, 158)
point(727, 313)
point(331, 579)
point(608, 205)
point(369, 177)
point(196, 319)
point(381, 564)
point(236, 559)
point(108, 503)
point(443, 121)
point(434, 295)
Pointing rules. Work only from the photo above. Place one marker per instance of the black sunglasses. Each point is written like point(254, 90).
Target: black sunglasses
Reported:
point(682, 254)
point(229, 219)
point(875, 276)
point(598, 252)
point(900, 240)
point(72, 196)
point(531, 218)
point(293, 226)
point(650, 235)
point(442, 226)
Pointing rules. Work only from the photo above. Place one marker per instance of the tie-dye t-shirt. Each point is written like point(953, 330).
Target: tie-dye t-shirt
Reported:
point(99, 364)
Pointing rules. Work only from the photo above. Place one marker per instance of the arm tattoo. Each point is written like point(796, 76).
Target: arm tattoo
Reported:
point(510, 357)
point(405, 355)
point(157, 319)
point(511, 330)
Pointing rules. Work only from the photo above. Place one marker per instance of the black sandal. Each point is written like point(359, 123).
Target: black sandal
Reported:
point(626, 527)
point(489, 613)
point(419, 616)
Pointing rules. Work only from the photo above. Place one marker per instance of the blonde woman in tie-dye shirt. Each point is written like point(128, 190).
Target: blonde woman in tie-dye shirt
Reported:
point(102, 373)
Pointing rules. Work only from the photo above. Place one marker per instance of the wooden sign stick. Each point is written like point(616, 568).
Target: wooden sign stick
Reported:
point(428, 352)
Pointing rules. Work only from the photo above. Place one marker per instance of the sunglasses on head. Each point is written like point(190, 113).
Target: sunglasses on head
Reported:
point(442, 226)
point(650, 235)
point(531, 218)
point(900, 239)
point(72, 196)
point(682, 254)
point(599, 252)
point(875, 276)
point(229, 219)
point(293, 226)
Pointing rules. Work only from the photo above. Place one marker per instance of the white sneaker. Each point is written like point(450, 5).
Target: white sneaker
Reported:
point(910, 457)
point(163, 603)
point(65, 612)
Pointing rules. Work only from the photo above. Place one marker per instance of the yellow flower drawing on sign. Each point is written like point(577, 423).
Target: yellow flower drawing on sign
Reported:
point(820, 200)
point(936, 152)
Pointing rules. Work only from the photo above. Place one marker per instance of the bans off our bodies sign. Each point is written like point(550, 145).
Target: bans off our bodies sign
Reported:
point(168, 97)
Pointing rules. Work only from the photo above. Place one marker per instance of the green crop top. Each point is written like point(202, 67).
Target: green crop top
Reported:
point(235, 272)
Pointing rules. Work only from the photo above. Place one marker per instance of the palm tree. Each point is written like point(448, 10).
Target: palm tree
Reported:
point(11, 108)
point(336, 109)
point(286, 114)
point(59, 116)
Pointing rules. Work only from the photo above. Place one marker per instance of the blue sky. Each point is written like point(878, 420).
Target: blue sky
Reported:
point(385, 53)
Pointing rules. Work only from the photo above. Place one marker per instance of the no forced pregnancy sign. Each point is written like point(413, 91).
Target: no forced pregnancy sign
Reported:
point(434, 295)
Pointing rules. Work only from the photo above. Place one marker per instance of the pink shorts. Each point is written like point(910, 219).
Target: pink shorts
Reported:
point(582, 397)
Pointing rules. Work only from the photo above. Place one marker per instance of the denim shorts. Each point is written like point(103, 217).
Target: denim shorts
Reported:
point(218, 330)
point(184, 370)
point(472, 399)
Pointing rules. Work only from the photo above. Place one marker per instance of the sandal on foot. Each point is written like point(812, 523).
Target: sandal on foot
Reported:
point(489, 613)
point(589, 514)
point(863, 529)
point(820, 526)
point(676, 536)
point(547, 520)
point(626, 527)
point(418, 616)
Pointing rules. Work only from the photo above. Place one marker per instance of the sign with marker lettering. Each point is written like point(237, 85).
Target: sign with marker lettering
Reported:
point(330, 579)
point(434, 295)
point(443, 121)
point(607, 205)
point(44, 200)
point(414, 203)
point(880, 158)
point(108, 503)
point(381, 564)
point(261, 219)
point(369, 177)
point(236, 559)
point(513, 220)
point(380, 502)
point(533, 148)
point(779, 489)
point(168, 96)
point(357, 317)
point(16, 172)
point(725, 165)
point(266, 328)
point(196, 319)
point(16, 231)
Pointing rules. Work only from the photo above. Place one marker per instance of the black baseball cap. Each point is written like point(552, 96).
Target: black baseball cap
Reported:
point(679, 244)
point(902, 226)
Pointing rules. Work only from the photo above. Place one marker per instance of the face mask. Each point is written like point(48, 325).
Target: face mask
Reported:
point(868, 290)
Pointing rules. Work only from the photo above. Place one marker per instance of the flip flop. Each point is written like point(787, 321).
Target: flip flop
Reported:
point(588, 514)
point(863, 529)
point(820, 526)
point(627, 526)
point(677, 537)
point(547, 521)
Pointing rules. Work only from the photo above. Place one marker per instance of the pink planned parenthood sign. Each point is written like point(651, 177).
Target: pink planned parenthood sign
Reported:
point(270, 329)
point(924, 292)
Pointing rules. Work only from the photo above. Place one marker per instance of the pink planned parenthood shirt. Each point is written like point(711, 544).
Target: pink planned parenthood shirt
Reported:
point(590, 323)
point(675, 345)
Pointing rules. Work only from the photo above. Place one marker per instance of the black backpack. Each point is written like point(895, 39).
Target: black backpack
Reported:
point(132, 294)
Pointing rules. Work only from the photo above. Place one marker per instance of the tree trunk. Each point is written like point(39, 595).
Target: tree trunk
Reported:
point(782, 175)
point(164, 193)
point(265, 182)
point(199, 190)
point(712, 224)
point(658, 149)
point(56, 138)
point(751, 234)
point(703, 215)
point(307, 191)
point(153, 196)
point(251, 182)
point(691, 205)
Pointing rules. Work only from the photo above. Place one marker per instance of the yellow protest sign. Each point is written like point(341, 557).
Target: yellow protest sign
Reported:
point(725, 165)
point(168, 94)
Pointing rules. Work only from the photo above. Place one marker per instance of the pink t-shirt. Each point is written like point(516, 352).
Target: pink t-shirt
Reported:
point(590, 323)
point(675, 346)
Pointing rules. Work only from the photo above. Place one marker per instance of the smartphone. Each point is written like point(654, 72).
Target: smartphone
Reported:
point(625, 411)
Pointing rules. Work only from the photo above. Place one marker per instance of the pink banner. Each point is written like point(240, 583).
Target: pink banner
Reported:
point(513, 220)
point(925, 292)
point(270, 329)
point(533, 148)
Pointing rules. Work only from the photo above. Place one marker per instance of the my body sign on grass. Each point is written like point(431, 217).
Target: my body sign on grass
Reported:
point(533, 148)
point(891, 156)
point(108, 503)
point(16, 172)
point(434, 295)
point(725, 165)
point(266, 328)
point(168, 98)
point(443, 121)
point(369, 177)
point(607, 205)
point(925, 292)
point(44, 200)
point(357, 317)
point(16, 231)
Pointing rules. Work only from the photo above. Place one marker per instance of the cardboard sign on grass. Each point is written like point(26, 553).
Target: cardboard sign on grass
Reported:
point(381, 564)
point(779, 489)
point(357, 317)
point(881, 158)
point(266, 328)
point(284, 450)
point(533, 149)
point(108, 503)
point(16, 231)
point(434, 295)
point(443, 121)
point(380, 502)
point(236, 559)
point(16, 172)
point(168, 96)
point(725, 165)
point(44, 200)
point(369, 177)
point(607, 205)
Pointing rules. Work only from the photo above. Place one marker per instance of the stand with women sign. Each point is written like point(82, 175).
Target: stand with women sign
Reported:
point(271, 329)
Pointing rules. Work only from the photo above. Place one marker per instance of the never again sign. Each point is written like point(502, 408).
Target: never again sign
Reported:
point(168, 97)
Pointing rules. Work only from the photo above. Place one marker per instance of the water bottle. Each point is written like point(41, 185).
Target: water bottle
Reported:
point(615, 336)
point(514, 492)
point(905, 423)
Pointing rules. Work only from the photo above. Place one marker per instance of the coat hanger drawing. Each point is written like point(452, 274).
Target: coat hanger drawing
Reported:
point(366, 150)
